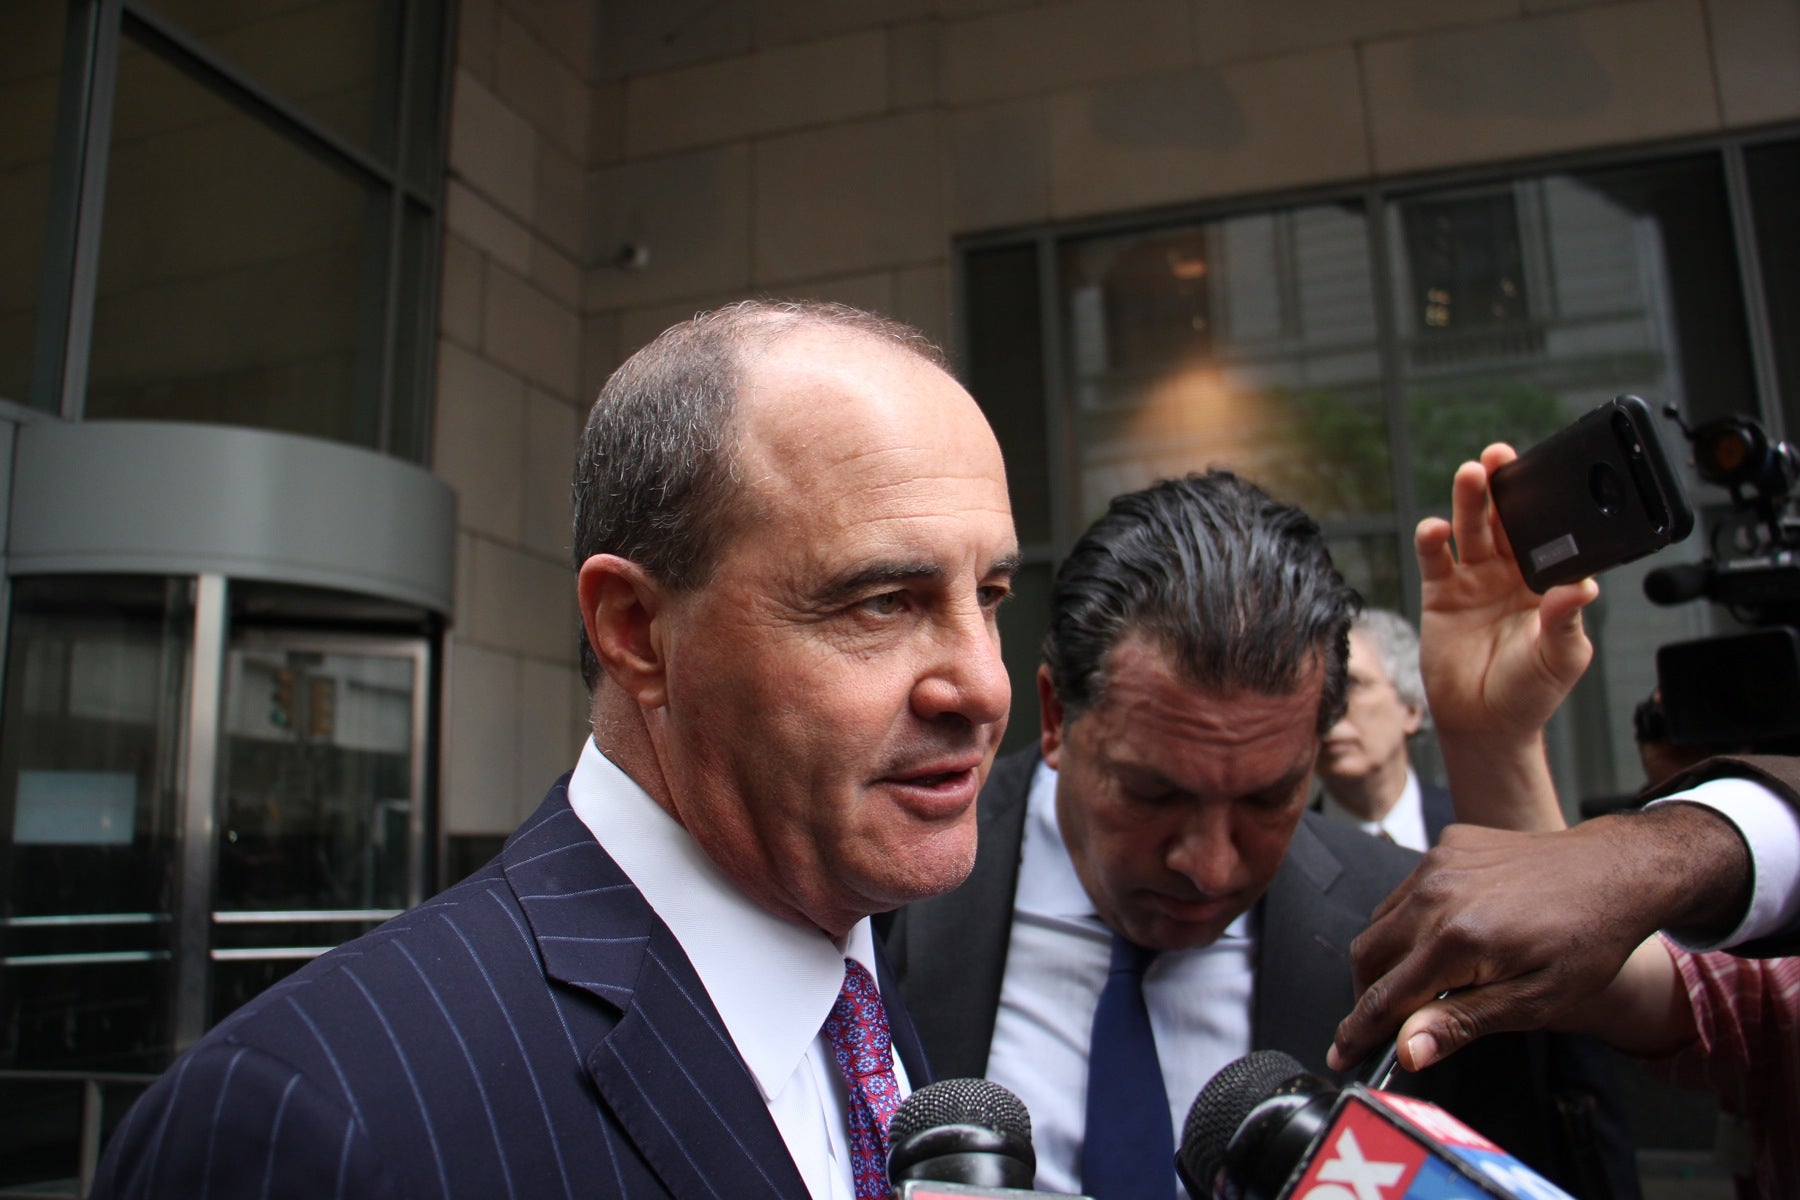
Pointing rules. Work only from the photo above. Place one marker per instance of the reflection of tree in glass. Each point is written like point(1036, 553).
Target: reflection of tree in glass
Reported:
point(1330, 453)
point(1448, 429)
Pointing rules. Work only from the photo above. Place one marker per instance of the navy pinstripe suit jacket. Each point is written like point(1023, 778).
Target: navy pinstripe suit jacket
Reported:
point(534, 1031)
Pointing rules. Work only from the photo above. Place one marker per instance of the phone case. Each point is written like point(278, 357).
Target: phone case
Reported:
point(1597, 493)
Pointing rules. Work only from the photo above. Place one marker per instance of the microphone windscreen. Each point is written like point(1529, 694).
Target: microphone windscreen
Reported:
point(961, 1102)
point(1222, 1107)
point(1677, 584)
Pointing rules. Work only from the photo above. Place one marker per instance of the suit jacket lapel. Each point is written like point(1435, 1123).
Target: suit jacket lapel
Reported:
point(657, 1050)
point(900, 1026)
point(1303, 983)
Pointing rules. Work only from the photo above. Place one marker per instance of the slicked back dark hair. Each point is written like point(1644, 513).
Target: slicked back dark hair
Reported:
point(1235, 586)
point(656, 476)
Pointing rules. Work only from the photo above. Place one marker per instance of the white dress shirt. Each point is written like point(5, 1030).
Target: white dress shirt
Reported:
point(1056, 965)
point(772, 981)
point(1404, 824)
point(1771, 829)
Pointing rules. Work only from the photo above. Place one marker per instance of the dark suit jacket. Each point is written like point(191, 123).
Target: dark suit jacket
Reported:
point(1435, 806)
point(535, 1031)
point(950, 953)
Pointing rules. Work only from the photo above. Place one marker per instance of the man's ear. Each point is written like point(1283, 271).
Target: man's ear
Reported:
point(619, 605)
point(1050, 718)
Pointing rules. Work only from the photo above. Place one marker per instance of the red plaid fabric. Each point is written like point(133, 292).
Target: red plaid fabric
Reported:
point(858, 1031)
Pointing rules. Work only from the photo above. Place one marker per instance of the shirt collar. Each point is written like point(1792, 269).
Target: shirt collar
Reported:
point(772, 981)
point(1404, 823)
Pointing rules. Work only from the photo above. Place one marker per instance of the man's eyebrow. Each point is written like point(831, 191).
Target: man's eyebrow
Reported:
point(890, 572)
point(877, 575)
point(1009, 565)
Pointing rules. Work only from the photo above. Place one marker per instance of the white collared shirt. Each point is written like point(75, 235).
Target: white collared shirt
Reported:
point(1056, 965)
point(1404, 823)
point(1771, 829)
point(772, 981)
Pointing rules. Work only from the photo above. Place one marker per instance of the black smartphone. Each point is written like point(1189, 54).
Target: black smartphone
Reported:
point(1594, 494)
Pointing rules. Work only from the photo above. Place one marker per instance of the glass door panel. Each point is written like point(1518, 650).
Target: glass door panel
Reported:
point(96, 687)
point(320, 821)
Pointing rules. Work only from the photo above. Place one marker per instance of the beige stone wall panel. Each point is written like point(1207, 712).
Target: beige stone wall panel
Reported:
point(1588, 77)
point(459, 292)
point(566, 27)
point(692, 211)
point(1210, 131)
point(556, 274)
point(913, 55)
point(492, 148)
point(999, 165)
point(767, 92)
point(640, 38)
point(692, 106)
point(606, 124)
point(478, 441)
point(1023, 51)
point(561, 215)
point(532, 80)
point(481, 740)
point(551, 725)
point(922, 298)
point(874, 292)
point(777, 22)
point(1232, 30)
point(478, 38)
point(518, 603)
point(551, 432)
point(847, 199)
point(599, 357)
point(526, 330)
point(638, 326)
point(1756, 52)
point(485, 227)
point(976, 8)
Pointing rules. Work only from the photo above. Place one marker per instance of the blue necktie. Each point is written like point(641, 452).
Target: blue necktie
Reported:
point(1128, 1149)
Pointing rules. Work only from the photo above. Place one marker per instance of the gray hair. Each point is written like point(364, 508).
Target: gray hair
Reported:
point(656, 475)
point(1236, 586)
point(1396, 644)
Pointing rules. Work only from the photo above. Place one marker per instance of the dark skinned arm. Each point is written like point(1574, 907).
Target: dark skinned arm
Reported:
point(1526, 929)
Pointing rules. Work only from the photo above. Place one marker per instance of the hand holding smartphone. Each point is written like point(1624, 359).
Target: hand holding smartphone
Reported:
point(1596, 493)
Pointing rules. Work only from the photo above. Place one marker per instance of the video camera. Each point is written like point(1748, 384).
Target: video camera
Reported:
point(1735, 690)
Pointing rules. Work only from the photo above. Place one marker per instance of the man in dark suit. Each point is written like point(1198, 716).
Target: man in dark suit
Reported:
point(1366, 775)
point(791, 534)
point(1195, 659)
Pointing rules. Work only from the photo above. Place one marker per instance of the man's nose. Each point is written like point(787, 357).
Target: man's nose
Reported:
point(965, 676)
point(1204, 853)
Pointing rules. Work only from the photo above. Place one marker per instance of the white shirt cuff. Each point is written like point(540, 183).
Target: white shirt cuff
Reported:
point(1770, 827)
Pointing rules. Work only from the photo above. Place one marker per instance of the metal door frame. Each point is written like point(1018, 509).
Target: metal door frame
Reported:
point(197, 917)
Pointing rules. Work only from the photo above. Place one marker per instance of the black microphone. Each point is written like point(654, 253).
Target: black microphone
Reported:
point(961, 1131)
point(1265, 1128)
point(1677, 584)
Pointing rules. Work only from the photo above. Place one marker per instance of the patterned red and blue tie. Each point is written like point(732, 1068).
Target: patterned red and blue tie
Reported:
point(858, 1031)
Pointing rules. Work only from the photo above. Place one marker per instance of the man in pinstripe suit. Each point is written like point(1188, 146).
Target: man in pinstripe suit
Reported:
point(791, 535)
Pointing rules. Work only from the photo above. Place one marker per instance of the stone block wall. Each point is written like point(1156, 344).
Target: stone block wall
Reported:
point(835, 148)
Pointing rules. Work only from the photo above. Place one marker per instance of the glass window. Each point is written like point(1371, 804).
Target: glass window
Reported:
point(1774, 174)
point(31, 48)
point(96, 689)
point(1248, 342)
point(1003, 365)
point(1522, 304)
point(241, 277)
point(335, 60)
